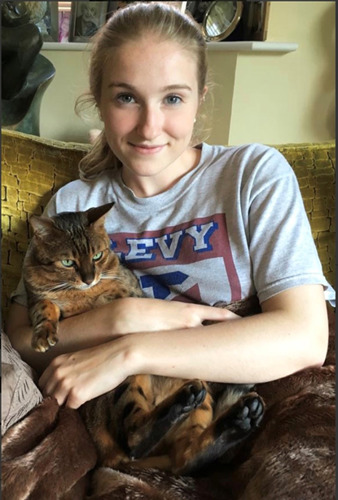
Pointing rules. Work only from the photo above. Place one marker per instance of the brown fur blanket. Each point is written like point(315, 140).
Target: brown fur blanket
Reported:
point(49, 455)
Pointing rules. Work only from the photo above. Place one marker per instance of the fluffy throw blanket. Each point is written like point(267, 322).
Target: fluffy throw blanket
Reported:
point(49, 454)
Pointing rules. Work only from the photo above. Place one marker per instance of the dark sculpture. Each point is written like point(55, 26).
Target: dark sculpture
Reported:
point(25, 73)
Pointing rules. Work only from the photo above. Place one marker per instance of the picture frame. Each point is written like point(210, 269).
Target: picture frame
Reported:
point(86, 18)
point(49, 24)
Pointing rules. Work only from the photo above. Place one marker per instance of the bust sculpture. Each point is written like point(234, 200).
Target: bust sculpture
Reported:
point(25, 72)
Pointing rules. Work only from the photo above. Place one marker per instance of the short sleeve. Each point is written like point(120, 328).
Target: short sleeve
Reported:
point(282, 248)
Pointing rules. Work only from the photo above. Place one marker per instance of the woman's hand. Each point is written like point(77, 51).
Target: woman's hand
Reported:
point(105, 323)
point(291, 334)
point(75, 378)
point(132, 315)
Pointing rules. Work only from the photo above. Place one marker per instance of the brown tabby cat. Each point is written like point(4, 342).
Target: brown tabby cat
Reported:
point(168, 423)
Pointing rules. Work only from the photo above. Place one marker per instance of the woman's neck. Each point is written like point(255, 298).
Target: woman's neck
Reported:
point(146, 186)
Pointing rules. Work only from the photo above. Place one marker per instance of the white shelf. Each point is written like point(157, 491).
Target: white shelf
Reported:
point(253, 46)
point(65, 46)
point(219, 46)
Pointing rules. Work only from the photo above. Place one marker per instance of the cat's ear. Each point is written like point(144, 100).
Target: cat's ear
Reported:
point(97, 214)
point(41, 225)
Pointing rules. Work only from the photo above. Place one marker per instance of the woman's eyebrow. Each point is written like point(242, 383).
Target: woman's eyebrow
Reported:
point(175, 86)
point(121, 84)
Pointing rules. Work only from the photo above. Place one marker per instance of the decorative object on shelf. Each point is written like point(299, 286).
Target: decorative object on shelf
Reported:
point(232, 21)
point(64, 9)
point(198, 10)
point(221, 19)
point(45, 16)
point(25, 73)
point(48, 24)
point(64, 22)
point(253, 25)
point(86, 18)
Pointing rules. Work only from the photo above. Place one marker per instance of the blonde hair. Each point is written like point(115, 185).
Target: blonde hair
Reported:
point(131, 23)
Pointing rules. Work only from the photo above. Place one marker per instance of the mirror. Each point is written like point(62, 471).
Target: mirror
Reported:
point(221, 19)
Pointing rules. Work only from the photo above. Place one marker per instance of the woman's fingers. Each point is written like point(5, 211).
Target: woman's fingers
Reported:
point(75, 378)
point(196, 315)
point(52, 383)
point(218, 314)
point(135, 315)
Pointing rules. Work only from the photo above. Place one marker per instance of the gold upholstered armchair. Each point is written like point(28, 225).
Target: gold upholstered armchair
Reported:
point(33, 169)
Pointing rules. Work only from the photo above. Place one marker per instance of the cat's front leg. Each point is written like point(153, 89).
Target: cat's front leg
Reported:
point(45, 317)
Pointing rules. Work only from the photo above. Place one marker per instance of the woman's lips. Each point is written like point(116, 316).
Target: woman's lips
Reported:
point(147, 150)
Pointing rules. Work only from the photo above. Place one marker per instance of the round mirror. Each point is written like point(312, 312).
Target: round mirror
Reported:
point(221, 19)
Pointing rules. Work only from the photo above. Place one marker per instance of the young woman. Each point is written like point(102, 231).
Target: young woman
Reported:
point(197, 223)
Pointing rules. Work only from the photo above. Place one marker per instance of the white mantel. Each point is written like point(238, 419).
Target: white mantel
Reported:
point(282, 47)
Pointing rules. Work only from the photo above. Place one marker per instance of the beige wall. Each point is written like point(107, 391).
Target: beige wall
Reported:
point(270, 98)
point(58, 119)
point(291, 97)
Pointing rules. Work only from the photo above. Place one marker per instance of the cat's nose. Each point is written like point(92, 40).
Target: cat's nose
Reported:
point(88, 278)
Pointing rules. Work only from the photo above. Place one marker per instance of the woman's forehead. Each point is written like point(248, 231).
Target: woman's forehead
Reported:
point(165, 61)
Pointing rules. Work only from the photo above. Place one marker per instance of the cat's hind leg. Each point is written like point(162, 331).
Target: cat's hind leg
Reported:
point(227, 431)
point(146, 430)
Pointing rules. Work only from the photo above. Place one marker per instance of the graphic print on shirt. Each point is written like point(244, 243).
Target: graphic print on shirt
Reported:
point(195, 250)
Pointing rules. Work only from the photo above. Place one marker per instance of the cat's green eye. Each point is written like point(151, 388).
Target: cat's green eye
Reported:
point(97, 256)
point(67, 262)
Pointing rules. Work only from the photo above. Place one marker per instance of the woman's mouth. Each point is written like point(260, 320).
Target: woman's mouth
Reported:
point(147, 149)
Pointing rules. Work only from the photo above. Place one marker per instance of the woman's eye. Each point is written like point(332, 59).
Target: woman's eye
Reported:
point(173, 99)
point(125, 99)
point(97, 256)
point(68, 262)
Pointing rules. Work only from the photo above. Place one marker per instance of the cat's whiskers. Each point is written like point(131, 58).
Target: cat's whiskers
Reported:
point(61, 286)
point(87, 286)
point(108, 276)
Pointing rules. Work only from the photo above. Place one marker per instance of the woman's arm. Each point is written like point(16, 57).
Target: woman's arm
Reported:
point(291, 334)
point(104, 323)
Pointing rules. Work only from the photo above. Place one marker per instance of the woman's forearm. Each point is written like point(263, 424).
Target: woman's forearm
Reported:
point(99, 325)
point(291, 334)
point(234, 351)
point(74, 333)
point(255, 349)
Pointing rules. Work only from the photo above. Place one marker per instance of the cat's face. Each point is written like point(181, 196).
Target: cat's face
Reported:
point(82, 263)
point(72, 250)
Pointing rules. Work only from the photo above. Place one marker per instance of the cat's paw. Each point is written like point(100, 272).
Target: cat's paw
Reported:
point(167, 414)
point(180, 404)
point(44, 337)
point(248, 413)
point(221, 438)
point(187, 399)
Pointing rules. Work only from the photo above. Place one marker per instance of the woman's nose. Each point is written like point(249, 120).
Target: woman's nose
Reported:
point(150, 123)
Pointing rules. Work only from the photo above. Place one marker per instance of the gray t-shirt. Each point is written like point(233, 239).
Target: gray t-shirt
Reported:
point(233, 226)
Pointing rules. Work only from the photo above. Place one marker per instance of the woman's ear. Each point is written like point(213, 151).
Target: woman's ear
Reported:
point(204, 93)
point(93, 134)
